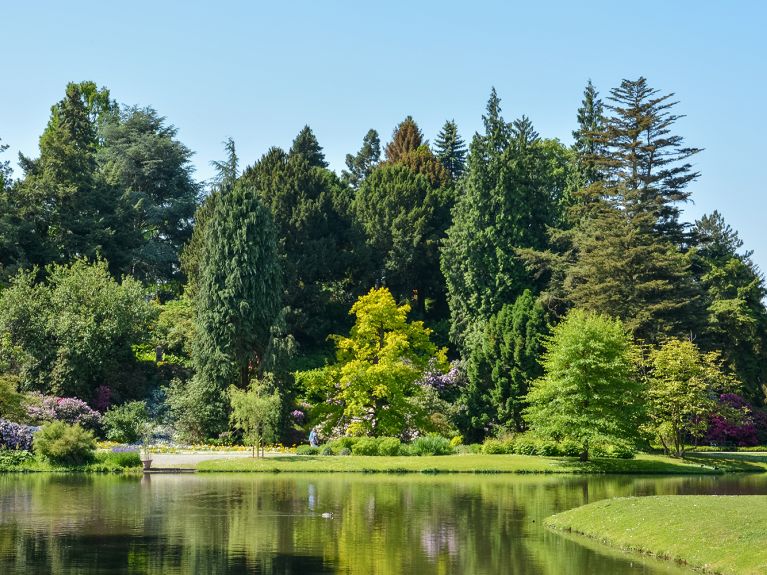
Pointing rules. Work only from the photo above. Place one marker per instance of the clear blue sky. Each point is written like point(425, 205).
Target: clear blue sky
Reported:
point(259, 71)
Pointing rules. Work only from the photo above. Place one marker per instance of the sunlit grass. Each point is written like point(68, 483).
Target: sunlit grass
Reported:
point(716, 534)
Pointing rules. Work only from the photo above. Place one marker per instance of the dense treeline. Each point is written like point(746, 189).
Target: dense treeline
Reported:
point(124, 278)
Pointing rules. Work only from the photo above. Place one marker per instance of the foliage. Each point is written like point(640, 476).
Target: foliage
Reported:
point(11, 401)
point(372, 387)
point(432, 444)
point(15, 435)
point(127, 423)
point(256, 412)
point(236, 304)
point(735, 423)
point(503, 361)
point(44, 408)
point(122, 459)
point(306, 145)
point(307, 450)
point(682, 385)
point(450, 149)
point(590, 392)
point(65, 444)
point(361, 164)
point(73, 332)
point(407, 136)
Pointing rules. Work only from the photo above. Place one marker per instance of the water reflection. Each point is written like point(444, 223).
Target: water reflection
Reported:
point(275, 525)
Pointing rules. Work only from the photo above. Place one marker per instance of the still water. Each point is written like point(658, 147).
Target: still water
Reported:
point(274, 524)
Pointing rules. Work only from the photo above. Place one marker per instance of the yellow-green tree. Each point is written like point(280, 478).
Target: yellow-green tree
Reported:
point(255, 411)
point(682, 388)
point(373, 388)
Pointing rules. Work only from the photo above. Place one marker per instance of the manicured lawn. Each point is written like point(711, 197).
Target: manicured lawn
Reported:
point(716, 534)
point(474, 463)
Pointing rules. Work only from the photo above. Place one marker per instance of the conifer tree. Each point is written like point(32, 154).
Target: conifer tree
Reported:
point(306, 144)
point(363, 162)
point(589, 135)
point(450, 149)
point(407, 137)
point(237, 301)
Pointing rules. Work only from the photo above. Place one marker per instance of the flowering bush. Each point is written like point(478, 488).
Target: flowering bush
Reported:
point(44, 408)
point(298, 416)
point(433, 377)
point(734, 422)
point(102, 399)
point(16, 435)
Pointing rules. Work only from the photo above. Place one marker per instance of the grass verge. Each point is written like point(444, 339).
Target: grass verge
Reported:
point(469, 463)
point(104, 462)
point(726, 535)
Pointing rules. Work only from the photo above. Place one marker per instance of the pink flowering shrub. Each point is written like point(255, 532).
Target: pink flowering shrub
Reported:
point(735, 423)
point(44, 408)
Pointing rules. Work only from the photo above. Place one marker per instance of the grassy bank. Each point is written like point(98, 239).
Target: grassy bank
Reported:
point(103, 462)
point(470, 463)
point(725, 535)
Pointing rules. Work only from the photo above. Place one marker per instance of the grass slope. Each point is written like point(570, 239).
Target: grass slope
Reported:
point(717, 534)
point(474, 463)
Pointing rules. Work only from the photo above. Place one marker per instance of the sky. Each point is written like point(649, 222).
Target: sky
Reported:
point(259, 71)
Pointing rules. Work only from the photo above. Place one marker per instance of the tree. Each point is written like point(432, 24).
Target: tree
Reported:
point(407, 136)
point(589, 146)
point(237, 300)
point(502, 363)
point(362, 163)
point(70, 212)
point(372, 389)
point(450, 149)
point(682, 389)
point(73, 333)
point(511, 194)
point(256, 412)
point(141, 158)
point(316, 244)
point(227, 172)
point(590, 391)
point(306, 145)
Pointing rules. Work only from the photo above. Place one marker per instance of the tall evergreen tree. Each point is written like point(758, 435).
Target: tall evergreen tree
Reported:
point(450, 149)
point(237, 301)
point(306, 145)
point(363, 162)
point(407, 137)
point(140, 157)
point(589, 137)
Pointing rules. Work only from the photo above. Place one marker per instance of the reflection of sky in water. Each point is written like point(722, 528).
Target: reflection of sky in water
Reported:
point(312, 497)
point(438, 540)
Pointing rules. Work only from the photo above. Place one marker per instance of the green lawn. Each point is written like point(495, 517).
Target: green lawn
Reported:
point(473, 463)
point(716, 534)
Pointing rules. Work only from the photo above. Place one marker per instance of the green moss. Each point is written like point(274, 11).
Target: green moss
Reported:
point(716, 534)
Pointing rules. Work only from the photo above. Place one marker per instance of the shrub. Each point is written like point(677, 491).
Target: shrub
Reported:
point(9, 459)
point(431, 445)
point(570, 448)
point(496, 447)
point(456, 440)
point(122, 459)
point(127, 422)
point(389, 446)
point(11, 401)
point(307, 450)
point(326, 450)
point(365, 446)
point(345, 451)
point(65, 444)
point(44, 408)
point(15, 435)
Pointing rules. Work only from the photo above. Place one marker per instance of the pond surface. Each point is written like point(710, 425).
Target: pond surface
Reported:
point(273, 524)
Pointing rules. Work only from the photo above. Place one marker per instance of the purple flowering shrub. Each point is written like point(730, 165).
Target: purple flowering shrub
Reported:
point(735, 423)
point(298, 416)
point(16, 435)
point(102, 398)
point(70, 410)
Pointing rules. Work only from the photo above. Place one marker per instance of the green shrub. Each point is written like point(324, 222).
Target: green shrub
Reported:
point(365, 446)
point(389, 446)
point(569, 448)
point(326, 450)
point(346, 442)
point(307, 450)
point(472, 448)
point(345, 451)
point(456, 440)
point(10, 458)
point(547, 448)
point(524, 445)
point(64, 444)
point(496, 447)
point(122, 459)
point(431, 445)
point(126, 423)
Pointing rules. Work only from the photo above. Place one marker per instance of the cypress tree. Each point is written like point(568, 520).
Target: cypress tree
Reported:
point(407, 137)
point(363, 162)
point(306, 145)
point(237, 300)
point(450, 149)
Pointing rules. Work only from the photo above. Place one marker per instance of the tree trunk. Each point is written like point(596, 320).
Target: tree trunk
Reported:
point(584, 456)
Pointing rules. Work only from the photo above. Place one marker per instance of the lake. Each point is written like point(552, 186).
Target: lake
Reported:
point(273, 524)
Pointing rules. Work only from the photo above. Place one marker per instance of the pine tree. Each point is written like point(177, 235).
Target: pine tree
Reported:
point(306, 144)
point(588, 145)
point(237, 301)
point(407, 137)
point(450, 149)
